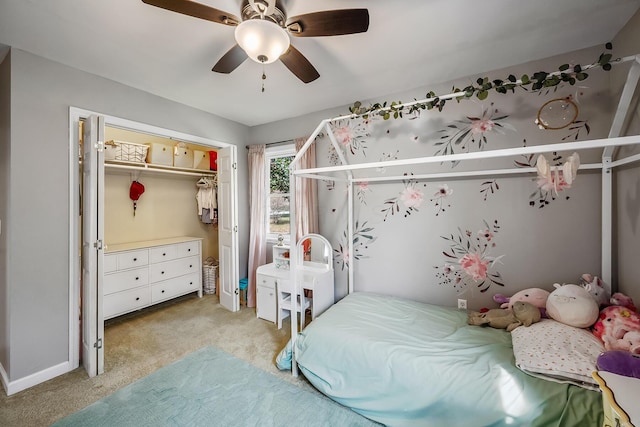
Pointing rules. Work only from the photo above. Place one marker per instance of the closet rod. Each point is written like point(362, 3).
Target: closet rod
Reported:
point(271, 144)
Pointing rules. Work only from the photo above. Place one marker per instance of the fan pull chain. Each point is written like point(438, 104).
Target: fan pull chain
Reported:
point(264, 77)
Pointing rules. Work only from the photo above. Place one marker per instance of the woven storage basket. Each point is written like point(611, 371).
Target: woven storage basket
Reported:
point(209, 270)
point(126, 151)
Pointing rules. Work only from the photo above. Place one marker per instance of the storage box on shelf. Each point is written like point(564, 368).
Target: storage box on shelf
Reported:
point(182, 156)
point(201, 160)
point(160, 154)
point(141, 274)
point(124, 151)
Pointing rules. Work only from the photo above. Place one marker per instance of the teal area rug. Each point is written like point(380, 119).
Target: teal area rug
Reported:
point(213, 388)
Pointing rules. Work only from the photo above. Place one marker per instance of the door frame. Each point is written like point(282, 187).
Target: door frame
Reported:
point(75, 116)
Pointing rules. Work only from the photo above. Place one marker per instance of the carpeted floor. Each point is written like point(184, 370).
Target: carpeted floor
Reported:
point(140, 343)
point(212, 387)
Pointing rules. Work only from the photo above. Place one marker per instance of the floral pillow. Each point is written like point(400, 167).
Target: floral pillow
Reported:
point(557, 352)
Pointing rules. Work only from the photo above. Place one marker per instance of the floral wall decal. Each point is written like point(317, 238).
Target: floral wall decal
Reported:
point(472, 131)
point(469, 259)
point(488, 187)
point(440, 198)
point(362, 187)
point(410, 199)
point(362, 238)
point(351, 135)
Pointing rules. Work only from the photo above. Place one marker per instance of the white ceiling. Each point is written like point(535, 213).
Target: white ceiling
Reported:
point(410, 44)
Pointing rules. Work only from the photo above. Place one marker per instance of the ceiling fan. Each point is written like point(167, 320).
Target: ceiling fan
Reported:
point(263, 32)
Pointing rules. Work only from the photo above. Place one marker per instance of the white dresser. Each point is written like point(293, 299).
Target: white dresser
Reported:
point(140, 274)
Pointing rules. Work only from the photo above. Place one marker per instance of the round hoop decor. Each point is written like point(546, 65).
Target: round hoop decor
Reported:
point(557, 114)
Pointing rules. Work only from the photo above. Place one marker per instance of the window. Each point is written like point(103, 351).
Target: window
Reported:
point(278, 160)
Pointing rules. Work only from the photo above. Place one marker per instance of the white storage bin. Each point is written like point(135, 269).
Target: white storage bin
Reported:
point(160, 154)
point(182, 156)
point(201, 160)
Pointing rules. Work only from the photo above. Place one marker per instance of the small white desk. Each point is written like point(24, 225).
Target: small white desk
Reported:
point(319, 280)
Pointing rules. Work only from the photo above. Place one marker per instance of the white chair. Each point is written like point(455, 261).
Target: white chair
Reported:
point(284, 303)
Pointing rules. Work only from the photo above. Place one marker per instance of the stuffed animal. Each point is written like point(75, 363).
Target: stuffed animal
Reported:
point(596, 288)
point(535, 296)
point(619, 362)
point(621, 299)
point(521, 313)
point(572, 305)
point(619, 329)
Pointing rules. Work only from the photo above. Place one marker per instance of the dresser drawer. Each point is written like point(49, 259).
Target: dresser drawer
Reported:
point(127, 279)
point(173, 287)
point(163, 253)
point(188, 249)
point(110, 263)
point(170, 269)
point(123, 302)
point(132, 259)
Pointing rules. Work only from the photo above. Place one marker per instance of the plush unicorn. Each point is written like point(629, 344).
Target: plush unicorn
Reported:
point(596, 288)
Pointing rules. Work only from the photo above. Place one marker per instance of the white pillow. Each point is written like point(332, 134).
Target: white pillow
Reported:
point(554, 351)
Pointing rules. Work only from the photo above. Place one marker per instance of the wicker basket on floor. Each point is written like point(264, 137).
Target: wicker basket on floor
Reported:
point(209, 270)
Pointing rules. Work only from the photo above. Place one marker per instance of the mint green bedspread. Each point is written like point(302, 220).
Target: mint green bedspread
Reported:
point(404, 363)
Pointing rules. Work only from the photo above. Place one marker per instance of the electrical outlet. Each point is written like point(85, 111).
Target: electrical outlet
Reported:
point(462, 304)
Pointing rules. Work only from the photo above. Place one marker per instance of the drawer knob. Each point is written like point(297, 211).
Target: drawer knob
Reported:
point(162, 291)
point(135, 259)
point(137, 298)
point(191, 283)
point(137, 278)
point(162, 272)
point(164, 254)
point(190, 265)
point(189, 250)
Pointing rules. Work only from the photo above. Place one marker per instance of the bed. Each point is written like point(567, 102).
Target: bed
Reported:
point(405, 363)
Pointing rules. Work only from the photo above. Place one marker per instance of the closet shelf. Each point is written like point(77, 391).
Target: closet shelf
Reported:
point(148, 167)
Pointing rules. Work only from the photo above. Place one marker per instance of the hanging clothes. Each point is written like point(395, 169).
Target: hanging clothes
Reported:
point(206, 199)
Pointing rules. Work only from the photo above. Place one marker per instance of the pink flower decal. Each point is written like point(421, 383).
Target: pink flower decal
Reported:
point(470, 261)
point(343, 135)
point(474, 266)
point(411, 197)
point(480, 126)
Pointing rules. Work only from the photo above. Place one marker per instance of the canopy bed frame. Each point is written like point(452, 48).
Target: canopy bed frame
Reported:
point(344, 172)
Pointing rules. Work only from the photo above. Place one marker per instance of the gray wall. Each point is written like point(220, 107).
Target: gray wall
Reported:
point(402, 257)
point(628, 179)
point(5, 159)
point(38, 282)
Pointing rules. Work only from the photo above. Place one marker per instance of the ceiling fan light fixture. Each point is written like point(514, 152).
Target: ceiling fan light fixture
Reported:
point(263, 40)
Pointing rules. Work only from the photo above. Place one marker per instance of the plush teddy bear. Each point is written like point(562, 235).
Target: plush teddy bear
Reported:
point(572, 305)
point(521, 313)
point(535, 296)
point(619, 329)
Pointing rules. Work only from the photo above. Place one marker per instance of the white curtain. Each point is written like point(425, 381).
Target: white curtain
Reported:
point(306, 194)
point(257, 207)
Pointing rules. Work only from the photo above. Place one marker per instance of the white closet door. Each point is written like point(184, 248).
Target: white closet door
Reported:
point(92, 241)
point(228, 229)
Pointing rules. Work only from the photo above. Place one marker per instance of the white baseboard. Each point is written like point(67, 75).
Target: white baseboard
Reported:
point(12, 387)
point(4, 378)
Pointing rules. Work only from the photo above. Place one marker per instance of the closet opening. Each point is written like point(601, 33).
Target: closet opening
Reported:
point(165, 219)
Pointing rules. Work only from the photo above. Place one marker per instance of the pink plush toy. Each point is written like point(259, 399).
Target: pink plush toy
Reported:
point(623, 300)
point(534, 296)
point(619, 329)
point(596, 287)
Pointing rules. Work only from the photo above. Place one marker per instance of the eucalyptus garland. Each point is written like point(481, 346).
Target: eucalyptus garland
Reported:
point(537, 81)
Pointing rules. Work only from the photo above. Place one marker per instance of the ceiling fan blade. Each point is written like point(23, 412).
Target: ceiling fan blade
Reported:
point(231, 60)
point(329, 23)
point(299, 65)
point(197, 10)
